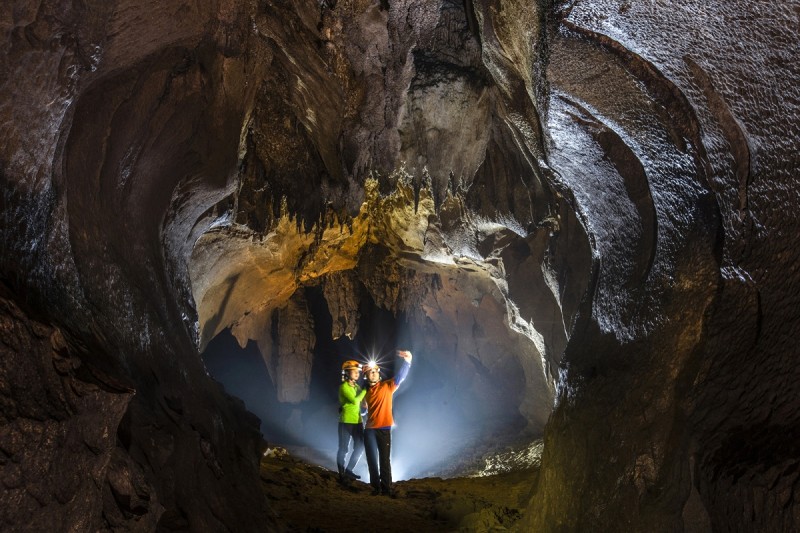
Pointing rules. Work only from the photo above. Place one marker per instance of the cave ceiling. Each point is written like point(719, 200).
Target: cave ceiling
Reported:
point(591, 203)
point(406, 158)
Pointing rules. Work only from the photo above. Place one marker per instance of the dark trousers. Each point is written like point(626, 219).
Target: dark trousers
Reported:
point(347, 433)
point(378, 445)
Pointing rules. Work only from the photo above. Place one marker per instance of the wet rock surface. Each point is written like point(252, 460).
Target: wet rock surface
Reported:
point(620, 72)
point(100, 128)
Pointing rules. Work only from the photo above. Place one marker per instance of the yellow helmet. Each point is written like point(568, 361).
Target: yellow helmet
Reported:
point(351, 365)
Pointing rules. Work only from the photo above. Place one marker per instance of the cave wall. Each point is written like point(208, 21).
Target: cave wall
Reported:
point(69, 414)
point(121, 126)
point(686, 356)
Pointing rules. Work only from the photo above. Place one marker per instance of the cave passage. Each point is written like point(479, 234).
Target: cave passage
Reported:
point(441, 427)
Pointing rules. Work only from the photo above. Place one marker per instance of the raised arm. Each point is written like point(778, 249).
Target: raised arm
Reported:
point(403, 372)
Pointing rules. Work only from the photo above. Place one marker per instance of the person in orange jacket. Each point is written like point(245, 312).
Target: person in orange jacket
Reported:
point(378, 431)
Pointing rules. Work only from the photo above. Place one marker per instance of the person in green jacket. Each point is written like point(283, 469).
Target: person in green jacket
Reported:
point(351, 427)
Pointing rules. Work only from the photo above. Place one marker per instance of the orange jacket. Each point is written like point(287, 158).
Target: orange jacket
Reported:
point(379, 404)
point(379, 399)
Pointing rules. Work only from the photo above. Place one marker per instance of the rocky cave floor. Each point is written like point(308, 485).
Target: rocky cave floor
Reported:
point(306, 497)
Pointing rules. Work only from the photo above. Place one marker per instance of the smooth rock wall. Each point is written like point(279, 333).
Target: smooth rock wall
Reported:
point(678, 406)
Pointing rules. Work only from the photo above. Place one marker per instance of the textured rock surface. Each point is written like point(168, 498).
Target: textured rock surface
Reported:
point(679, 106)
point(120, 127)
point(429, 504)
point(397, 255)
point(60, 464)
point(342, 293)
point(592, 201)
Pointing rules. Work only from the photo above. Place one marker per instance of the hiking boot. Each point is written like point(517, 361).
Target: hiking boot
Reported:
point(352, 475)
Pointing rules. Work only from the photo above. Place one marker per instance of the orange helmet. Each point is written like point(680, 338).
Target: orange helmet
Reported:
point(350, 365)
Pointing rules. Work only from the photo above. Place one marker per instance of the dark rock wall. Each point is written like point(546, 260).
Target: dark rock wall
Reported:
point(679, 115)
point(60, 460)
point(121, 125)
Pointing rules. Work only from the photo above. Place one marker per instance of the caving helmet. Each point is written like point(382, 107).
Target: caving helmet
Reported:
point(351, 365)
point(366, 367)
point(348, 365)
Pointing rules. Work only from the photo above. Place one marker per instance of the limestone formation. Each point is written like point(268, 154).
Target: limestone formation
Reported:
point(342, 293)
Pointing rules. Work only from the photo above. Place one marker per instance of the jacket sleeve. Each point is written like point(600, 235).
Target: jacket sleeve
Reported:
point(349, 394)
point(401, 374)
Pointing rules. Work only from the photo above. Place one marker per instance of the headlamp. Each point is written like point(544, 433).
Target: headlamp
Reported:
point(370, 365)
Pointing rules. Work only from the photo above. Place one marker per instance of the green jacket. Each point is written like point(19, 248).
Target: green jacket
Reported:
point(350, 403)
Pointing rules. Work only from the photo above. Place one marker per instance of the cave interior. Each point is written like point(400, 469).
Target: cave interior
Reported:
point(580, 216)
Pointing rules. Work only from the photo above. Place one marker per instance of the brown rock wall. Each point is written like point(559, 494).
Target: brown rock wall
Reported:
point(343, 293)
point(295, 342)
point(120, 137)
point(61, 466)
point(705, 71)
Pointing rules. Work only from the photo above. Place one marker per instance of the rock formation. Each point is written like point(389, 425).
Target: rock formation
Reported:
point(591, 203)
point(685, 355)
